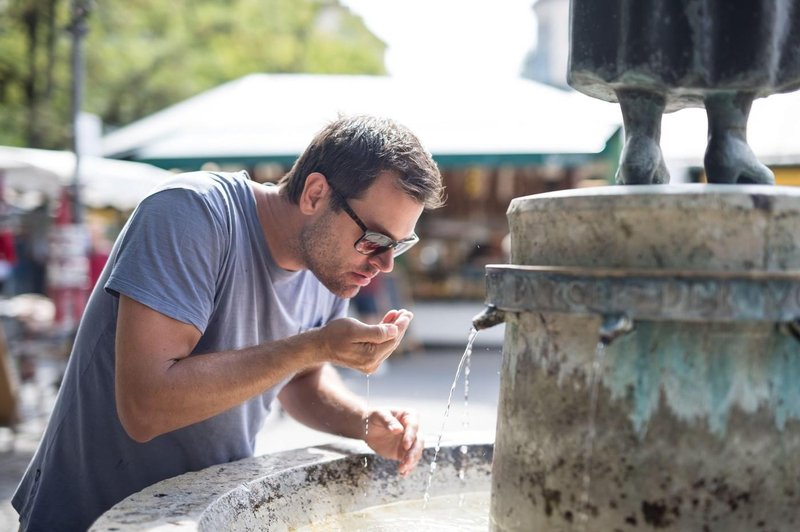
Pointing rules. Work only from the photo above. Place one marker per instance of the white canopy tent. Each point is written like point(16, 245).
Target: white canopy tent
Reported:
point(263, 116)
point(30, 174)
point(267, 116)
point(773, 132)
point(22, 177)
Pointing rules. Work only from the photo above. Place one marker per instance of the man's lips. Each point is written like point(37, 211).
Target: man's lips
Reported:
point(362, 279)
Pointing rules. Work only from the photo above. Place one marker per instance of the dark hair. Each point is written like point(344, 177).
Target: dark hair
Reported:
point(353, 151)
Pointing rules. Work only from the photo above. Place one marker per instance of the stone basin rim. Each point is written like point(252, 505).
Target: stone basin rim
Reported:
point(190, 502)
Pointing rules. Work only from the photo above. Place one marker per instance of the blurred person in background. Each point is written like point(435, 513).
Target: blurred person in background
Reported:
point(8, 257)
point(99, 252)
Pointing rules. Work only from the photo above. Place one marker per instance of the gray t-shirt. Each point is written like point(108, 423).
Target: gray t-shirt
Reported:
point(193, 250)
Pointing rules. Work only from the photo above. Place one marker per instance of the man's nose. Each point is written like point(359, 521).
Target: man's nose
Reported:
point(383, 261)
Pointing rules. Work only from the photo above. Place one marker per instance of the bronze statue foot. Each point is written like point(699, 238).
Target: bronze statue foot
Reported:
point(730, 160)
point(642, 162)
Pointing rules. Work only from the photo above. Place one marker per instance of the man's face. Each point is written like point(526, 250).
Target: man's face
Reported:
point(326, 243)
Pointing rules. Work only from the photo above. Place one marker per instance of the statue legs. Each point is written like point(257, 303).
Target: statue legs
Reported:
point(641, 162)
point(729, 158)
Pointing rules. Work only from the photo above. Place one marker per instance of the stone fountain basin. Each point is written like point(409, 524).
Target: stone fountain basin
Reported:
point(295, 488)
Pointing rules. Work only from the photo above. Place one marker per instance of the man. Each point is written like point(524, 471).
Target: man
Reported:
point(220, 295)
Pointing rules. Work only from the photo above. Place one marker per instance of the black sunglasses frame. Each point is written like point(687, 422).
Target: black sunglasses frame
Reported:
point(379, 241)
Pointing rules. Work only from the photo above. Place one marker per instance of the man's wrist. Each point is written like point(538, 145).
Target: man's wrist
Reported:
point(311, 347)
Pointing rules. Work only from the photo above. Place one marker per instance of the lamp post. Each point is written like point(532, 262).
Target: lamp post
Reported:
point(78, 28)
point(68, 264)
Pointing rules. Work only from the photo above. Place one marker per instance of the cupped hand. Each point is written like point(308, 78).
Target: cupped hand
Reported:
point(400, 318)
point(351, 343)
point(394, 434)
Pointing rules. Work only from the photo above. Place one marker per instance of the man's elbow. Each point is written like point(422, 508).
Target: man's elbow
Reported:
point(136, 420)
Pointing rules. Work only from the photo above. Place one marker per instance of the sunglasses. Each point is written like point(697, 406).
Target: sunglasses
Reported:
point(372, 243)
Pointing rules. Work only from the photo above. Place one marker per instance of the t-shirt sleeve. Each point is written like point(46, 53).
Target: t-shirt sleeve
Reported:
point(170, 254)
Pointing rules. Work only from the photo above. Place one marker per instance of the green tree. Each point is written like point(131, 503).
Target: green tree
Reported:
point(32, 48)
point(144, 55)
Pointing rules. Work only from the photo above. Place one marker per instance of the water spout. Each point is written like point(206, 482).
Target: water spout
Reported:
point(490, 317)
point(792, 328)
point(614, 325)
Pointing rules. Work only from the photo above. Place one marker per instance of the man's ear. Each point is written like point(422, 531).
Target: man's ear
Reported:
point(315, 193)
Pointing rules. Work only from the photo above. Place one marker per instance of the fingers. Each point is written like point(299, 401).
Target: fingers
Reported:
point(389, 420)
point(411, 458)
point(385, 337)
point(411, 444)
point(391, 328)
point(390, 316)
point(410, 423)
point(364, 347)
point(400, 317)
point(378, 334)
point(396, 436)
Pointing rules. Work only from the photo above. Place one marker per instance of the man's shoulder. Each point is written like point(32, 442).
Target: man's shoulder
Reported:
point(217, 190)
point(202, 181)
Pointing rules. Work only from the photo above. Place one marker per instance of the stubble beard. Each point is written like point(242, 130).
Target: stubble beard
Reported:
point(319, 248)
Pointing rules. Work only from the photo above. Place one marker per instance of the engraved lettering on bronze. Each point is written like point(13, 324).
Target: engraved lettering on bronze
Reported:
point(546, 293)
point(703, 298)
point(673, 297)
point(777, 294)
point(644, 296)
point(575, 294)
point(647, 298)
point(750, 299)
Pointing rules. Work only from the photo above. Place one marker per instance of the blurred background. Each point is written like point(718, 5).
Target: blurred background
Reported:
point(244, 84)
point(100, 101)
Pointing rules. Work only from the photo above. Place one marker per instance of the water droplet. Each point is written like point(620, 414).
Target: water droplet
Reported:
point(366, 420)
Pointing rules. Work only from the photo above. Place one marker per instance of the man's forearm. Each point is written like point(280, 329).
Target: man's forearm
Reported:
point(319, 399)
point(160, 387)
point(196, 388)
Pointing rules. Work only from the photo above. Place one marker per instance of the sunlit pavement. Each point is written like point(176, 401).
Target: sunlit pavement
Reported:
point(16, 448)
point(420, 380)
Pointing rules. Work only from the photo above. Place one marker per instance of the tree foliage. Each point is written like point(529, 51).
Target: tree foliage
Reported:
point(144, 55)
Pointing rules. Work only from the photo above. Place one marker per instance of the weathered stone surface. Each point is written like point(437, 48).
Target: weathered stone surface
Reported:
point(294, 488)
point(697, 419)
point(685, 227)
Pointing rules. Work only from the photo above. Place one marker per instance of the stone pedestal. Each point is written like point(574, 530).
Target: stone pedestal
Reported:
point(696, 420)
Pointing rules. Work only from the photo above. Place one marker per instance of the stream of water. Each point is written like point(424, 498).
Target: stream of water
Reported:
point(366, 420)
point(462, 468)
point(467, 352)
point(465, 419)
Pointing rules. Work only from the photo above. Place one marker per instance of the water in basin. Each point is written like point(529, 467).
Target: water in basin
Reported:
point(466, 512)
